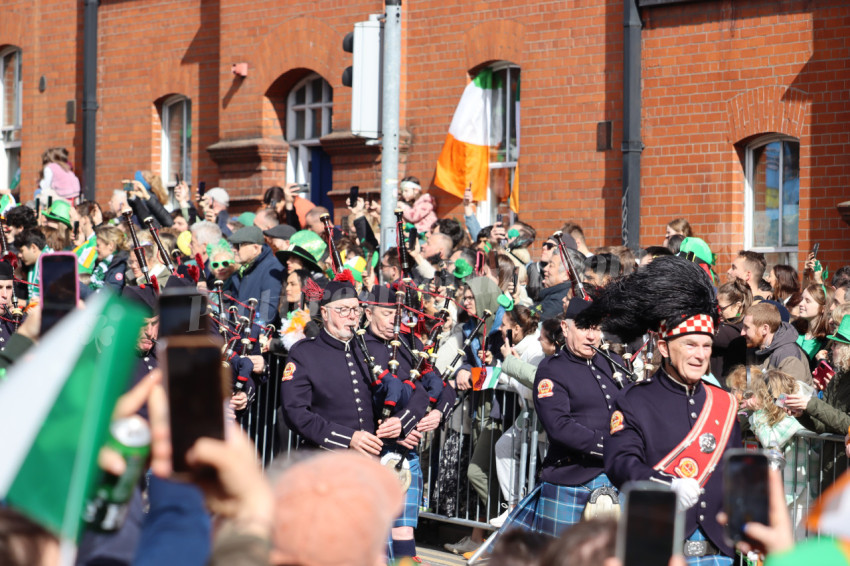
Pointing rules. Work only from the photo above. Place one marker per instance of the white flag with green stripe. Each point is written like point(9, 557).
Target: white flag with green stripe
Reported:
point(55, 406)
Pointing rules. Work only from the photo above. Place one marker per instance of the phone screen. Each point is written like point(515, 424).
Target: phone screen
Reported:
point(412, 236)
point(353, 195)
point(128, 185)
point(194, 381)
point(182, 313)
point(58, 287)
point(202, 188)
point(650, 531)
point(745, 491)
point(815, 249)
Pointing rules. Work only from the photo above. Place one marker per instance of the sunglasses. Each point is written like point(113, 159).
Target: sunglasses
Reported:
point(219, 264)
point(548, 245)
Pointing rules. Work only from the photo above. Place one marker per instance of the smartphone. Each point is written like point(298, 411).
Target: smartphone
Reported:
point(76, 229)
point(498, 219)
point(780, 401)
point(412, 236)
point(202, 188)
point(815, 250)
point(353, 195)
point(57, 286)
point(182, 311)
point(651, 530)
point(745, 491)
point(509, 336)
point(177, 178)
point(127, 184)
point(197, 391)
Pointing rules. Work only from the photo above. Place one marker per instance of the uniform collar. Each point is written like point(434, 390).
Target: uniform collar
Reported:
point(335, 342)
point(677, 386)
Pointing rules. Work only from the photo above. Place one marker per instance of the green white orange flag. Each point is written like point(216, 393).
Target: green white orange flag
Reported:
point(55, 406)
point(465, 157)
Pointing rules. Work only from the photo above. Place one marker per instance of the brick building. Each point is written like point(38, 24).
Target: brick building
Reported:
point(745, 113)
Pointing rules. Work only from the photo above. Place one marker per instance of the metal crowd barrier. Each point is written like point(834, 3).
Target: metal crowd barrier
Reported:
point(465, 444)
point(458, 460)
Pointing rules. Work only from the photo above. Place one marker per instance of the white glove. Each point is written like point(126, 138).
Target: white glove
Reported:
point(687, 492)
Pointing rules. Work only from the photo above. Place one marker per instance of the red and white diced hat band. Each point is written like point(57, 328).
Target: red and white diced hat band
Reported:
point(697, 324)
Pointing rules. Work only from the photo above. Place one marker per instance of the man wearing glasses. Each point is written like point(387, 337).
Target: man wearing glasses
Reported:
point(325, 385)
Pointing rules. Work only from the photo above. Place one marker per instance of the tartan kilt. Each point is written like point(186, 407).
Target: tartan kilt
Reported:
point(711, 560)
point(413, 497)
point(551, 509)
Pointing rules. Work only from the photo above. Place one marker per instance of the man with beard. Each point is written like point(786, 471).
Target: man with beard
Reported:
point(325, 390)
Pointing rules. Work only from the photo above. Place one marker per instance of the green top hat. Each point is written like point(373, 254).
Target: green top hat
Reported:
point(699, 248)
point(842, 334)
point(60, 211)
point(307, 246)
point(462, 269)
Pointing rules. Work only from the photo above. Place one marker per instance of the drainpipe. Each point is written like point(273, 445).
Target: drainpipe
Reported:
point(89, 96)
point(632, 145)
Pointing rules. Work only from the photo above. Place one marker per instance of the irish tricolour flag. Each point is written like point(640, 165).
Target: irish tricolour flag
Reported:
point(466, 153)
point(485, 378)
point(55, 407)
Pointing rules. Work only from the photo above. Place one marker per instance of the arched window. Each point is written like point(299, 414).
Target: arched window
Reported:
point(176, 140)
point(504, 139)
point(772, 201)
point(10, 118)
point(309, 113)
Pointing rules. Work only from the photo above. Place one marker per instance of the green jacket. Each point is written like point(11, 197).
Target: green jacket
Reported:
point(831, 413)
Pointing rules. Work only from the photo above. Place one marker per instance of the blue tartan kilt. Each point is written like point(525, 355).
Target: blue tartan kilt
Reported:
point(413, 497)
point(551, 509)
point(711, 560)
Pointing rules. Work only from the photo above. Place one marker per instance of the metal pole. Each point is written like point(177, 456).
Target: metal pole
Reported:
point(89, 96)
point(390, 121)
point(632, 145)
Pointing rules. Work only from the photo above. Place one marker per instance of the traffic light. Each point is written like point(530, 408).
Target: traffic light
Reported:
point(364, 76)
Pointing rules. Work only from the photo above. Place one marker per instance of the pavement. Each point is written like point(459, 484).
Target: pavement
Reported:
point(432, 535)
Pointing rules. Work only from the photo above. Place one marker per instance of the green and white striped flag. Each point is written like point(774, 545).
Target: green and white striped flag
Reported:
point(55, 408)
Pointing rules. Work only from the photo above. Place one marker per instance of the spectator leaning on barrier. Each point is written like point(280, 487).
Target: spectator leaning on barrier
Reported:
point(832, 413)
point(775, 342)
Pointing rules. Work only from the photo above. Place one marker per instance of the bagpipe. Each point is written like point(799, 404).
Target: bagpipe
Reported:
point(166, 259)
point(137, 246)
point(575, 279)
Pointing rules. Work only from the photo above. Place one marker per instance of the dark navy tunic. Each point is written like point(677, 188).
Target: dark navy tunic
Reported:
point(325, 392)
point(657, 414)
point(573, 398)
point(414, 402)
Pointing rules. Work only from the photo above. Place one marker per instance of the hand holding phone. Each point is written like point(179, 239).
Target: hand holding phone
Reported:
point(197, 391)
point(651, 529)
point(745, 492)
point(59, 289)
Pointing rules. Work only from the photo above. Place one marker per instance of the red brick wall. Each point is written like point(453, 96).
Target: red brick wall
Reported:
point(715, 74)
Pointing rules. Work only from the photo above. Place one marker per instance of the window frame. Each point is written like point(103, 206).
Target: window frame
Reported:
point(186, 140)
point(488, 209)
point(749, 198)
point(299, 155)
point(17, 124)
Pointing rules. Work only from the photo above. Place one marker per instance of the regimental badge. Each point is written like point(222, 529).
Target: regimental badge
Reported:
point(687, 468)
point(707, 443)
point(617, 422)
point(544, 388)
point(288, 371)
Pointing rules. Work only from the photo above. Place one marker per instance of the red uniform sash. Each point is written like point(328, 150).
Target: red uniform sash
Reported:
point(697, 455)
